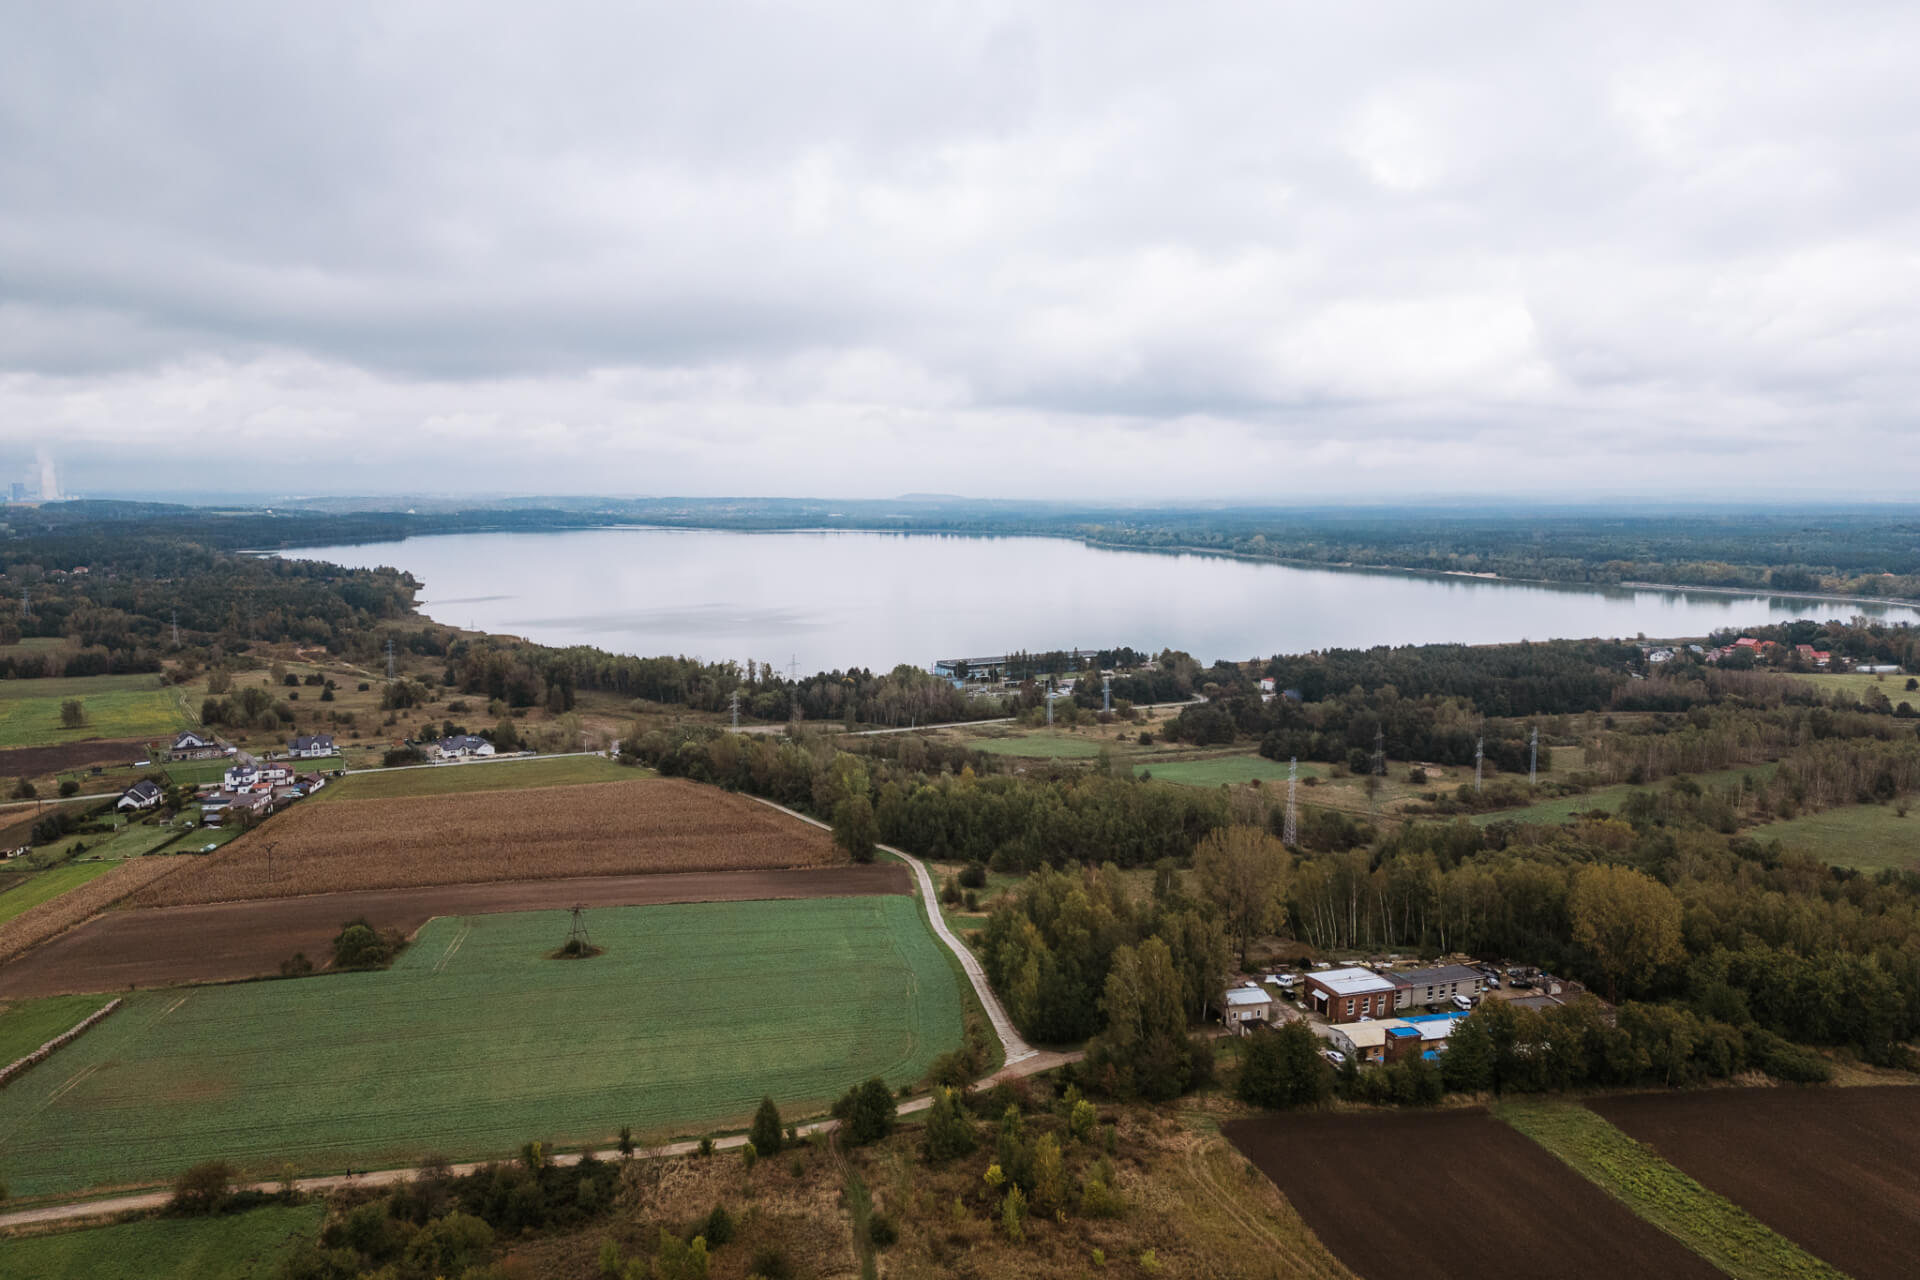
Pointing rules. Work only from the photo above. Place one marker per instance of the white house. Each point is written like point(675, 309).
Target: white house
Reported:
point(311, 748)
point(461, 745)
point(241, 777)
point(188, 744)
point(141, 795)
point(1267, 687)
point(1245, 1006)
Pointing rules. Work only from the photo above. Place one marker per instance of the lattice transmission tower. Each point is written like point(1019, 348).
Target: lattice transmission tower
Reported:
point(1291, 832)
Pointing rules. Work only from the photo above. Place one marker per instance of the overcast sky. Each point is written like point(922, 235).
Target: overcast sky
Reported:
point(1262, 250)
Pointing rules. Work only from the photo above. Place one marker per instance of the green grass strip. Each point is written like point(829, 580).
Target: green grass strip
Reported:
point(48, 885)
point(1711, 1225)
point(241, 1246)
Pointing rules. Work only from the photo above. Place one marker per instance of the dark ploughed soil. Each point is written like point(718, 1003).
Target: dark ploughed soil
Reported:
point(1439, 1194)
point(161, 946)
point(31, 762)
point(1836, 1171)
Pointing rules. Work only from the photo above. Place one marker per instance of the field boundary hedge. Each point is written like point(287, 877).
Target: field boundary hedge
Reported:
point(19, 1066)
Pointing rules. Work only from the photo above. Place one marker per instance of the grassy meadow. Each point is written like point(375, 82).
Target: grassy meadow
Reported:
point(476, 1042)
point(240, 1246)
point(1563, 808)
point(116, 707)
point(1869, 837)
point(1225, 771)
point(1041, 744)
point(1860, 685)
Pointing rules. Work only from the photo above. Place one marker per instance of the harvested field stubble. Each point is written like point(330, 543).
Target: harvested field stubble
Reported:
point(608, 828)
point(32, 927)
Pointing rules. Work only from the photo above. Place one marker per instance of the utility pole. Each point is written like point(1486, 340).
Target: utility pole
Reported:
point(1106, 693)
point(1291, 837)
point(268, 846)
point(389, 657)
point(26, 605)
point(1379, 753)
point(735, 699)
point(1533, 759)
point(1049, 697)
point(1479, 754)
point(793, 667)
point(176, 626)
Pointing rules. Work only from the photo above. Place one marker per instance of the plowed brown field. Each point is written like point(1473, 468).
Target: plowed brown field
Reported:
point(1836, 1171)
point(50, 919)
point(1442, 1194)
point(606, 828)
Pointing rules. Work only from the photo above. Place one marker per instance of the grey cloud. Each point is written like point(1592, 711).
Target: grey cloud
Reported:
point(725, 246)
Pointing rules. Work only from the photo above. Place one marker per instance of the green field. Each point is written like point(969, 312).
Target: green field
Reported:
point(116, 707)
point(1563, 808)
point(240, 1246)
point(504, 775)
point(48, 885)
point(1870, 837)
point(1711, 1225)
point(1895, 687)
point(476, 1042)
point(1228, 770)
point(1039, 746)
point(192, 773)
point(29, 1024)
point(130, 841)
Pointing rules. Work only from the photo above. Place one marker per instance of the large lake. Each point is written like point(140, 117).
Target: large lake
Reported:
point(830, 600)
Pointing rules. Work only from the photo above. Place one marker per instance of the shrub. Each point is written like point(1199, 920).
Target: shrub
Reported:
point(69, 786)
point(718, 1228)
point(772, 1262)
point(364, 686)
point(204, 1188)
point(359, 946)
point(626, 1139)
point(706, 1146)
point(749, 1155)
point(881, 1231)
point(297, 966)
point(974, 876)
point(866, 1112)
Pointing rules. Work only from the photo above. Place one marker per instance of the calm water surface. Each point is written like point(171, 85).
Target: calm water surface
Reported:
point(830, 600)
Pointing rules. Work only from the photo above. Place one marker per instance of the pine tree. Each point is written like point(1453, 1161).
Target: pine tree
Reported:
point(766, 1132)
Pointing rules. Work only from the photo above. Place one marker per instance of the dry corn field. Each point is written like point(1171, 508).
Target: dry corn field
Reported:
point(37, 924)
point(605, 828)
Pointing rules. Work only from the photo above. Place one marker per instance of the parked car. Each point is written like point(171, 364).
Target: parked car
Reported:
point(1462, 1003)
point(1286, 981)
point(1334, 1056)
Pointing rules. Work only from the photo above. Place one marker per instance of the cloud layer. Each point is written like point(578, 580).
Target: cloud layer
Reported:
point(1244, 251)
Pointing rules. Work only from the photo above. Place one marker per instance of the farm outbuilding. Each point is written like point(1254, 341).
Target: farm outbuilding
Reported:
point(1420, 987)
point(1246, 1006)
